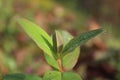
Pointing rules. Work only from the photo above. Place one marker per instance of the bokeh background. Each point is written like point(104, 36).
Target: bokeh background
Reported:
point(99, 58)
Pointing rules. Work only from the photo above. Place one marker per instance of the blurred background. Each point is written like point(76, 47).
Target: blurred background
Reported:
point(99, 58)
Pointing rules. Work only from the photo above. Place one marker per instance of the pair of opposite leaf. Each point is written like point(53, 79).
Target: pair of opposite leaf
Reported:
point(69, 51)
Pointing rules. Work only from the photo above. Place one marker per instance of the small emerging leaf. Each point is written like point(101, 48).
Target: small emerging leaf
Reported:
point(81, 39)
point(54, 39)
point(59, 41)
point(66, 37)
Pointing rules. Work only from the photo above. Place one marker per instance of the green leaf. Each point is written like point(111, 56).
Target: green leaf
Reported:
point(16, 76)
point(40, 37)
point(59, 41)
point(70, 59)
point(51, 61)
point(52, 75)
point(54, 39)
point(81, 39)
point(19, 76)
point(32, 77)
point(70, 76)
point(56, 75)
point(66, 37)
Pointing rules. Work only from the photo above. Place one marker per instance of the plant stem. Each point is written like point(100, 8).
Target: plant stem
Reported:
point(59, 60)
point(60, 65)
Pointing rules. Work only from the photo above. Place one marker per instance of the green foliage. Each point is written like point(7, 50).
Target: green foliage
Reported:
point(70, 59)
point(40, 37)
point(54, 39)
point(70, 76)
point(51, 61)
point(56, 75)
point(81, 39)
point(32, 77)
point(19, 76)
point(61, 59)
point(64, 38)
point(16, 76)
point(16, 50)
point(52, 75)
